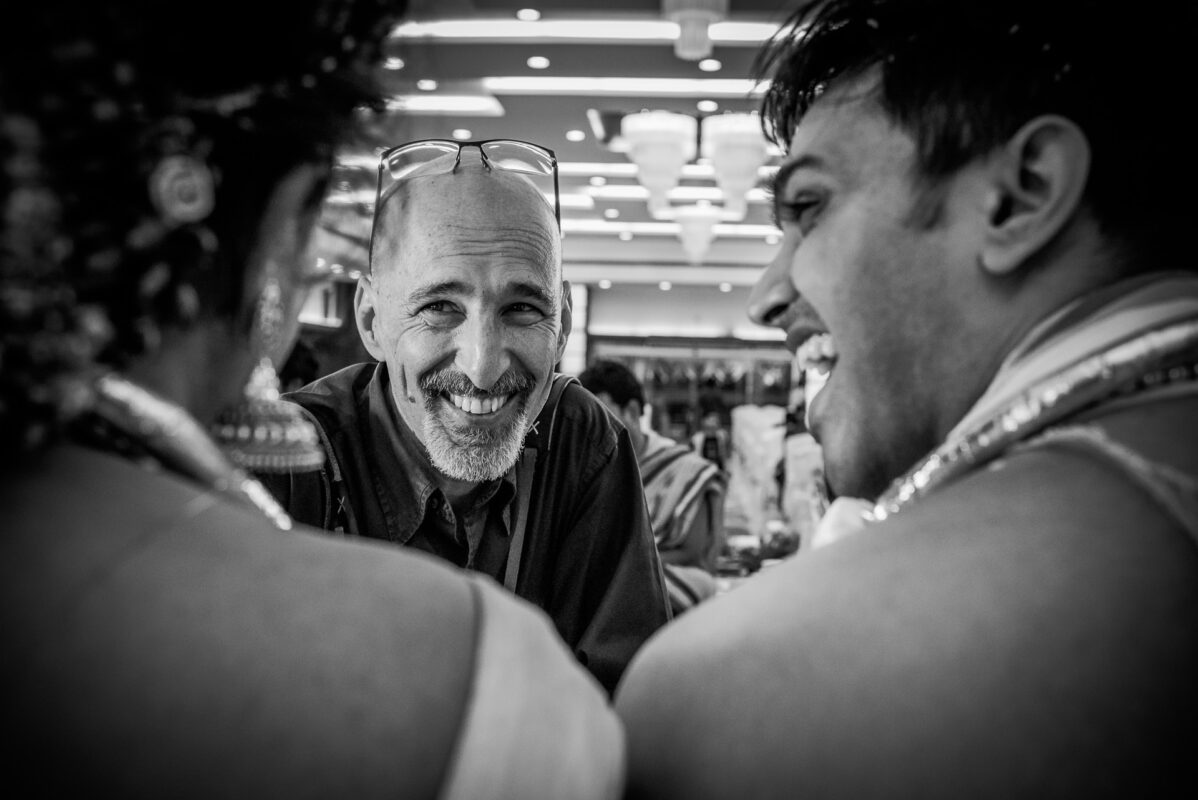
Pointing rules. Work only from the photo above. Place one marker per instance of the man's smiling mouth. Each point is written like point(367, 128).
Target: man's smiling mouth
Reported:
point(818, 352)
point(474, 404)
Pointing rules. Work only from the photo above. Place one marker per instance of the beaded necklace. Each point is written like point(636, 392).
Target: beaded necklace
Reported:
point(1147, 361)
point(174, 439)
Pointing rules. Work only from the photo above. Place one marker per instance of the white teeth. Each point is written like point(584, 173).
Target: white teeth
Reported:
point(479, 405)
point(818, 353)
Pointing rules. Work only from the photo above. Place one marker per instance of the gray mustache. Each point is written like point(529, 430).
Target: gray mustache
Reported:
point(451, 381)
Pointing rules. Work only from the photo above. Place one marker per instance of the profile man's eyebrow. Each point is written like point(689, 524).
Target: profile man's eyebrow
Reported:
point(783, 175)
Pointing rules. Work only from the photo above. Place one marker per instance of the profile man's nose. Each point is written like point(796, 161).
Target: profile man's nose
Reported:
point(773, 293)
point(482, 354)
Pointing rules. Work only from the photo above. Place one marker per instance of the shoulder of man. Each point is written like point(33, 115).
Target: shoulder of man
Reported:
point(1005, 619)
point(575, 420)
point(316, 497)
point(335, 396)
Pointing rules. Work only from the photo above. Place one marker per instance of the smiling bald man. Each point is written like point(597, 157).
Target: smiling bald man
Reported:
point(461, 440)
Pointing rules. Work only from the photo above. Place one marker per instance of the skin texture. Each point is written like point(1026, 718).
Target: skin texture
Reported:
point(466, 298)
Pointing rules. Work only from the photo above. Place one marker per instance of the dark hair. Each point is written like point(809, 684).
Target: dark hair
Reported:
point(962, 77)
point(138, 150)
point(615, 379)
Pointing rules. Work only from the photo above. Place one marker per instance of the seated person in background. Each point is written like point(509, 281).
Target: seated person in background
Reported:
point(685, 492)
point(711, 440)
point(300, 368)
point(987, 214)
point(461, 441)
point(161, 636)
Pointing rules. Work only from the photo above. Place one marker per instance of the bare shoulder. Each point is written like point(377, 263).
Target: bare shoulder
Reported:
point(1010, 632)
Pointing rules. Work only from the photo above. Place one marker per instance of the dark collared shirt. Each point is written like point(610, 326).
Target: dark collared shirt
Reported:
point(588, 558)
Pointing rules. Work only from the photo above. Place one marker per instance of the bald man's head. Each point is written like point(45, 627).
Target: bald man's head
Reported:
point(466, 305)
point(467, 207)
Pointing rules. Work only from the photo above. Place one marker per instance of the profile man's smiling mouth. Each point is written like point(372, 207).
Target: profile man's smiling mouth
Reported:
point(818, 352)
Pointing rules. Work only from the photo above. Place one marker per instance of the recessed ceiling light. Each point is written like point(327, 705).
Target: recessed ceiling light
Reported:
point(461, 133)
point(665, 286)
point(725, 287)
point(575, 135)
point(611, 213)
point(528, 15)
point(710, 65)
point(598, 180)
point(625, 236)
point(707, 106)
point(537, 62)
point(604, 284)
point(394, 62)
point(426, 85)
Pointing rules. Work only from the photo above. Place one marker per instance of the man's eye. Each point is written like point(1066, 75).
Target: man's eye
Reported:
point(439, 312)
point(802, 212)
point(524, 313)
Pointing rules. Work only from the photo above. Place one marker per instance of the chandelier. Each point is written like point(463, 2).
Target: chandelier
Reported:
point(693, 18)
point(660, 143)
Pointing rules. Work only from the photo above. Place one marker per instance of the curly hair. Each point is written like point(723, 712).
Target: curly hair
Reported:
point(138, 151)
point(961, 78)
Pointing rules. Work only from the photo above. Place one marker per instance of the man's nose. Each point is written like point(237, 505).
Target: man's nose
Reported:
point(482, 352)
point(773, 293)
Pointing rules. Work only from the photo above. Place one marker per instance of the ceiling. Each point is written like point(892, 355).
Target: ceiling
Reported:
point(609, 235)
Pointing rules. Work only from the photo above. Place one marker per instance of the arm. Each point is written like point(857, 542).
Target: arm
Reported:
point(608, 594)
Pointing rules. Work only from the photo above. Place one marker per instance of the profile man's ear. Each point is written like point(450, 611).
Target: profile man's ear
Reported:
point(1036, 185)
point(563, 333)
point(367, 319)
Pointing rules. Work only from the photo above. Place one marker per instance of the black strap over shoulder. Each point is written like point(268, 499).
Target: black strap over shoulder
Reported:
point(538, 439)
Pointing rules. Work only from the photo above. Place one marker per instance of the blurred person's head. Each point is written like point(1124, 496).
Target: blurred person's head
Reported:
point(954, 173)
point(617, 387)
point(160, 173)
point(301, 367)
point(466, 305)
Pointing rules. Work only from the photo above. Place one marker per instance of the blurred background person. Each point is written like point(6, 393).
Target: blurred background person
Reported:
point(163, 634)
point(685, 492)
point(301, 368)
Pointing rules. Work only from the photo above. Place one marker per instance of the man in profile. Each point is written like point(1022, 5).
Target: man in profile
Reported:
point(461, 441)
point(685, 491)
point(987, 212)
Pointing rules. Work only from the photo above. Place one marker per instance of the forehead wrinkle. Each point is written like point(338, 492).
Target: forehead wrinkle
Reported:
point(517, 242)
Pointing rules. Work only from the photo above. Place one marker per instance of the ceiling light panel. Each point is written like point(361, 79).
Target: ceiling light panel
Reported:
point(744, 34)
point(622, 87)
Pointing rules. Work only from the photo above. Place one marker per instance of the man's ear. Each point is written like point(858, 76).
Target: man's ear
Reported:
point(367, 318)
point(1037, 181)
point(632, 413)
point(563, 333)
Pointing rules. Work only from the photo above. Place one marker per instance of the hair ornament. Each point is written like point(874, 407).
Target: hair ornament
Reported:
point(182, 189)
